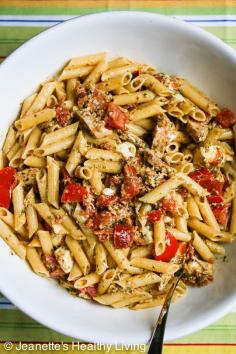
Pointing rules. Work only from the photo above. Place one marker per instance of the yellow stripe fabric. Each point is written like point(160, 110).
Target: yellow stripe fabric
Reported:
point(116, 3)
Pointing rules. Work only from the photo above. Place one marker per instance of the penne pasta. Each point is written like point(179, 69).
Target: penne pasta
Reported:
point(202, 248)
point(155, 266)
point(11, 239)
point(78, 254)
point(31, 215)
point(60, 134)
point(100, 259)
point(34, 119)
point(209, 232)
point(18, 205)
point(53, 182)
point(55, 147)
point(34, 260)
point(104, 166)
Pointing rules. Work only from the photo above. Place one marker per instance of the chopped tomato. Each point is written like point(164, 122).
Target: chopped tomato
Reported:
point(182, 248)
point(215, 199)
point(131, 186)
point(175, 85)
point(114, 180)
point(225, 118)
point(123, 236)
point(52, 266)
point(73, 193)
point(90, 290)
point(100, 98)
point(207, 180)
point(89, 204)
point(221, 213)
point(170, 249)
point(82, 96)
point(50, 262)
point(137, 73)
point(102, 220)
point(168, 204)
point(62, 115)
point(7, 179)
point(218, 158)
point(47, 227)
point(66, 176)
point(116, 118)
point(103, 235)
point(106, 200)
point(154, 215)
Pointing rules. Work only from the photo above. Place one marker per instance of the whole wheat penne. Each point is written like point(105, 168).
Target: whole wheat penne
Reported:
point(78, 254)
point(34, 260)
point(60, 134)
point(53, 181)
point(106, 280)
point(104, 165)
point(202, 248)
point(31, 215)
point(33, 119)
point(34, 161)
point(208, 231)
point(7, 234)
point(55, 147)
point(153, 265)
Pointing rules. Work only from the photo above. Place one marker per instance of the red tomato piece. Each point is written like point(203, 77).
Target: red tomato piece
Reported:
point(66, 176)
point(62, 115)
point(182, 248)
point(100, 99)
point(123, 236)
point(102, 221)
point(82, 96)
point(90, 290)
point(154, 215)
point(168, 204)
point(218, 158)
point(215, 199)
point(50, 262)
point(116, 118)
point(221, 213)
point(114, 180)
point(207, 180)
point(73, 193)
point(47, 227)
point(225, 118)
point(171, 248)
point(131, 186)
point(7, 180)
point(103, 235)
point(106, 200)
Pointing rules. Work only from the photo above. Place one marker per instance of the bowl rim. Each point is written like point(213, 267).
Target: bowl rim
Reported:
point(230, 302)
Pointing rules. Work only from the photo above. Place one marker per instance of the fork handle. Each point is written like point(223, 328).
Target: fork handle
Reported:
point(156, 344)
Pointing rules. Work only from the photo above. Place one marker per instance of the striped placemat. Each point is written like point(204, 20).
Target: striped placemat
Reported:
point(21, 20)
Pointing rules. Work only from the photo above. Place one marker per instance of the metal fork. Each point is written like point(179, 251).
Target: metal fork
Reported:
point(156, 341)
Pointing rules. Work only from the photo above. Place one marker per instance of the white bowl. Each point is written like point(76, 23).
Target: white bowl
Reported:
point(174, 47)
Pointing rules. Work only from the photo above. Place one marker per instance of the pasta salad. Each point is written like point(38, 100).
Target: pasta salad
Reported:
point(113, 175)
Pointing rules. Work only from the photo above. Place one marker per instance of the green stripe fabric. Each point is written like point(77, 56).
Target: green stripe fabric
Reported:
point(82, 11)
point(13, 37)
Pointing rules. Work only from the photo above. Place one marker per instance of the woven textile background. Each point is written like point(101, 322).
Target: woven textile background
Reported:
point(22, 19)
